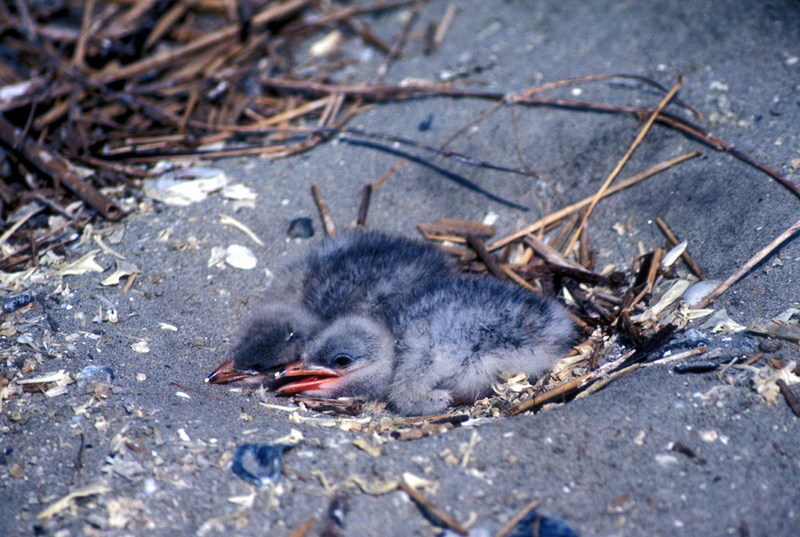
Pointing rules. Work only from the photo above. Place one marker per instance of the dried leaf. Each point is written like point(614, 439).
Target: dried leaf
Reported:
point(294, 437)
point(766, 381)
point(364, 445)
point(64, 503)
point(721, 323)
point(124, 268)
point(81, 266)
point(239, 192)
point(420, 483)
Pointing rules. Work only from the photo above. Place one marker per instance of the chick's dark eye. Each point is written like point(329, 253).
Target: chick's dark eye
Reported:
point(342, 360)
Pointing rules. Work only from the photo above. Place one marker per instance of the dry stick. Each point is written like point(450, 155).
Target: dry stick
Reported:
point(304, 528)
point(566, 211)
point(685, 255)
point(176, 55)
point(752, 262)
point(384, 92)
point(129, 284)
point(7, 234)
point(80, 46)
point(655, 264)
point(516, 278)
point(439, 516)
point(327, 221)
point(556, 392)
point(404, 92)
point(790, 397)
point(509, 526)
point(228, 130)
point(480, 248)
point(402, 162)
point(444, 24)
point(343, 14)
point(167, 21)
point(605, 380)
point(400, 42)
point(753, 359)
point(16, 257)
point(363, 30)
point(57, 169)
point(667, 98)
point(680, 357)
point(366, 194)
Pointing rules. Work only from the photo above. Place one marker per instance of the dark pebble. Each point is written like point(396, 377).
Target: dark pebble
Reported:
point(301, 228)
point(426, 123)
point(542, 526)
point(96, 374)
point(16, 302)
point(259, 464)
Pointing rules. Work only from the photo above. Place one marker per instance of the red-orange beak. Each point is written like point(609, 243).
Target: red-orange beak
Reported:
point(225, 374)
point(309, 378)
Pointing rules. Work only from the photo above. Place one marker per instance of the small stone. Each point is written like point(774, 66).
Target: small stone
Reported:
point(16, 302)
point(259, 464)
point(301, 228)
point(16, 472)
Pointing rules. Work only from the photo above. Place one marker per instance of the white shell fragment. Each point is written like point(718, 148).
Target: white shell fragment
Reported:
point(327, 45)
point(241, 257)
point(217, 257)
point(140, 347)
point(184, 187)
point(698, 291)
point(673, 255)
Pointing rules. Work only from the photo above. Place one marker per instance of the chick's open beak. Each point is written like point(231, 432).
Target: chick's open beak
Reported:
point(226, 374)
point(308, 378)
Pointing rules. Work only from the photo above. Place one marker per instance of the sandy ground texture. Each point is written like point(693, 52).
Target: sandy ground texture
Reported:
point(138, 445)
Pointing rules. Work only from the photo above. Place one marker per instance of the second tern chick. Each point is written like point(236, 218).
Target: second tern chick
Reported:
point(357, 273)
point(448, 345)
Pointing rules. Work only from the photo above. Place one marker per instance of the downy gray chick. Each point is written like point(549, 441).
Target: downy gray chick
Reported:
point(354, 273)
point(447, 345)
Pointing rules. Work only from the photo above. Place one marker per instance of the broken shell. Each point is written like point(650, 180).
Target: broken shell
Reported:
point(239, 256)
point(698, 291)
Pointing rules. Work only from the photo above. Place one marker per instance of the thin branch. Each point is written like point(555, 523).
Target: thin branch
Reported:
point(752, 262)
point(566, 211)
point(639, 137)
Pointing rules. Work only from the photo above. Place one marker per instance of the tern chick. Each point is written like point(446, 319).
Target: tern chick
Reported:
point(449, 343)
point(355, 273)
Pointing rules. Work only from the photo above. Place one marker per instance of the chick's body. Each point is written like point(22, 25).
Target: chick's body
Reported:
point(447, 344)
